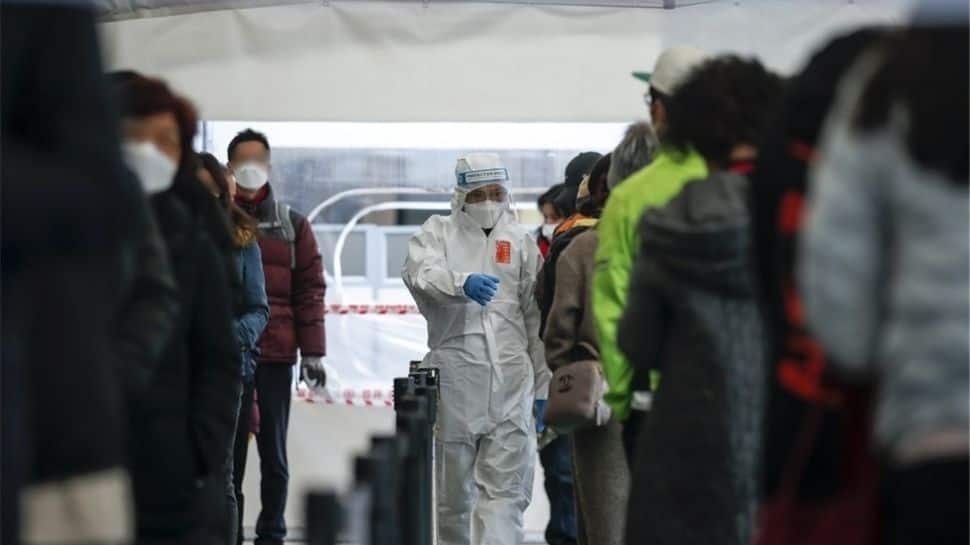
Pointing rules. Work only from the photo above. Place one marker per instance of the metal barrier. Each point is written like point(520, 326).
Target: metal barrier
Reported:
point(393, 498)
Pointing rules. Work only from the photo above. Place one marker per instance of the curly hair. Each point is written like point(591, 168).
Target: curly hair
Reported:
point(724, 102)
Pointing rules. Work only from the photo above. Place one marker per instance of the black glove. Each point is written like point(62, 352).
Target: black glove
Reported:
point(313, 373)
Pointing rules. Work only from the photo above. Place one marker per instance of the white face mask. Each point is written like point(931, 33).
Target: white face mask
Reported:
point(155, 170)
point(252, 176)
point(549, 229)
point(486, 214)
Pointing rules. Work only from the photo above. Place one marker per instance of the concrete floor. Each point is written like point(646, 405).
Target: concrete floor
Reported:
point(322, 442)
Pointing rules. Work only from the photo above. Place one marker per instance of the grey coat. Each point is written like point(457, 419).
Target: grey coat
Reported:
point(691, 315)
point(884, 274)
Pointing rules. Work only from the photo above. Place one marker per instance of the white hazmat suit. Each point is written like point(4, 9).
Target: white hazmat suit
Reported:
point(490, 358)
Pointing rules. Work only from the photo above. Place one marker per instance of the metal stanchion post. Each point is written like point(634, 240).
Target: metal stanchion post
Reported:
point(393, 501)
point(374, 473)
point(323, 518)
point(418, 413)
point(387, 451)
point(415, 498)
point(435, 382)
point(402, 386)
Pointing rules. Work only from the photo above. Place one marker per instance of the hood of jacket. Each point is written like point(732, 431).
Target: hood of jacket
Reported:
point(702, 235)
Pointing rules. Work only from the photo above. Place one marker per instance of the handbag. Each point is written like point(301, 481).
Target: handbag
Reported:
point(848, 518)
point(576, 395)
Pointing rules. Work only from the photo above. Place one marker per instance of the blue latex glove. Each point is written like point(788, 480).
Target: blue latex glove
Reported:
point(481, 288)
point(539, 410)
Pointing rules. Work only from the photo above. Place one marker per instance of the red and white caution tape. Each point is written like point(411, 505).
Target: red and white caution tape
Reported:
point(372, 309)
point(350, 397)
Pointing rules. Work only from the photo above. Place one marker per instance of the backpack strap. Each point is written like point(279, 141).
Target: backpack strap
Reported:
point(284, 223)
point(289, 230)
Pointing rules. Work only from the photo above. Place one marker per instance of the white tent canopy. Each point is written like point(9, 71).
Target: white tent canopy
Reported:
point(450, 61)
point(113, 10)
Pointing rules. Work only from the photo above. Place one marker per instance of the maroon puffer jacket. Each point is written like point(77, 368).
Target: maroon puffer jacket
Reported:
point(294, 284)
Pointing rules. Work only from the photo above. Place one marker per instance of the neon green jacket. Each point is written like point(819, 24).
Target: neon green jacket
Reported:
point(618, 246)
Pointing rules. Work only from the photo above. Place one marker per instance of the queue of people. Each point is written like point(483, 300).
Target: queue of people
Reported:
point(747, 323)
point(183, 302)
point(771, 282)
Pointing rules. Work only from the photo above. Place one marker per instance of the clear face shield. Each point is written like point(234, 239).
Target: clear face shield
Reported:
point(495, 193)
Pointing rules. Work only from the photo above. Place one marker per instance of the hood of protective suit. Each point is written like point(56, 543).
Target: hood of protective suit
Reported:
point(475, 171)
point(478, 170)
point(702, 235)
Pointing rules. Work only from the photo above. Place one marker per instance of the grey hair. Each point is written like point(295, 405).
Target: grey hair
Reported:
point(634, 152)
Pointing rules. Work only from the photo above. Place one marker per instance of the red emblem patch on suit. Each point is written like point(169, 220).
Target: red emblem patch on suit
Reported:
point(503, 252)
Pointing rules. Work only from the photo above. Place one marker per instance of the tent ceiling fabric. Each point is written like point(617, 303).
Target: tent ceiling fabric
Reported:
point(388, 61)
point(113, 10)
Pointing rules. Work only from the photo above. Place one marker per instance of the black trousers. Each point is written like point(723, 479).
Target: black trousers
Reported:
point(631, 434)
point(927, 503)
point(273, 387)
point(557, 464)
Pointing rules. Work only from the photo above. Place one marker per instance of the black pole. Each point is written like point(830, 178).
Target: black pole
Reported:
point(416, 499)
point(324, 518)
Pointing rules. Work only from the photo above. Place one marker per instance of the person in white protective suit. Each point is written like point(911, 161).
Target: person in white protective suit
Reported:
point(473, 275)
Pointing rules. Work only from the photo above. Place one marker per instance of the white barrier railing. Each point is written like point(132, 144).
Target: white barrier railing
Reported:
point(393, 205)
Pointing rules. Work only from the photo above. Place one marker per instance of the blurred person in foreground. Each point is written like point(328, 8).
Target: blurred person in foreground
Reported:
point(654, 185)
point(884, 264)
point(295, 290)
point(472, 274)
point(72, 222)
point(692, 316)
point(819, 477)
point(182, 425)
point(251, 316)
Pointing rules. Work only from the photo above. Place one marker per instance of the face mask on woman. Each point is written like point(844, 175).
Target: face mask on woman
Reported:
point(549, 229)
point(155, 170)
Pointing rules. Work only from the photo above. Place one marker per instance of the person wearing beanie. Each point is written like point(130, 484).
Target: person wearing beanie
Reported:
point(577, 169)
